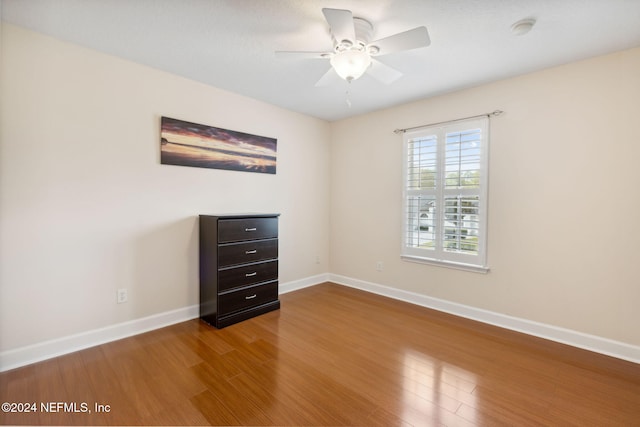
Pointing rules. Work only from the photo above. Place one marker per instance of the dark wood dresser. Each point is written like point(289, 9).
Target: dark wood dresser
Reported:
point(238, 267)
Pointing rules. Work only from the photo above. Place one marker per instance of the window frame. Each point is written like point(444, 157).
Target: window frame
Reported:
point(438, 255)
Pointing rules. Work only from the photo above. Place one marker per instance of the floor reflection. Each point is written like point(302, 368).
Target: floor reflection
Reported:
point(433, 391)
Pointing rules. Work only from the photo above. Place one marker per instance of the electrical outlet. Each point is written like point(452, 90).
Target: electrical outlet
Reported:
point(317, 259)
point(122, 296)
point(379, 266)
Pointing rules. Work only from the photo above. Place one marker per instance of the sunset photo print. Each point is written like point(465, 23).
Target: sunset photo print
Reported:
point(191, 144)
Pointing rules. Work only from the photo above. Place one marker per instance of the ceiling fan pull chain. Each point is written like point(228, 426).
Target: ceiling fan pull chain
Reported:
point(347, 93)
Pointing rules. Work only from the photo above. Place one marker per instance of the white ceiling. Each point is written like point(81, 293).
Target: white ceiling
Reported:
point(230, 44)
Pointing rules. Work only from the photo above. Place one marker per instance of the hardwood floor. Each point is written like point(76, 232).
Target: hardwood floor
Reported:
point(331, 356)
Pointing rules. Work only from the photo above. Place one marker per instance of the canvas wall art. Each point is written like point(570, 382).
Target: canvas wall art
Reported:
point(191, 144)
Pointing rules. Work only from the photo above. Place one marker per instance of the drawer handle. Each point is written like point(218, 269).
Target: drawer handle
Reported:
point(250, 229)
point(255, 251)
point(251, 274)
point(251, 296)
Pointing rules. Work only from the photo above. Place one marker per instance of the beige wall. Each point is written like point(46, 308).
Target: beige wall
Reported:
point(564, 203)
point(87, 208)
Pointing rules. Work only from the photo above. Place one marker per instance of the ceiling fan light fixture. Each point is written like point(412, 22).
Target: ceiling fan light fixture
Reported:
point(373, 50)
point(351, 64)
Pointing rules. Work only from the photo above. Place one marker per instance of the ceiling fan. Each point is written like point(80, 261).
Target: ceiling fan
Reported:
point(353, 51)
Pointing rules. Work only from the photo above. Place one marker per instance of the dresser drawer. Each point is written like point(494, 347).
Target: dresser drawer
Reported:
point(242, 253)
point(235, 277)
point(240, 299)
point(235, 230)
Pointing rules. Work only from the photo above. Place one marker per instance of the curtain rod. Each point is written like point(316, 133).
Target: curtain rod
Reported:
point(494, 114)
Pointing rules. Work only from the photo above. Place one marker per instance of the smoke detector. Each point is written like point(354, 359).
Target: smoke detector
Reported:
point(523, 26)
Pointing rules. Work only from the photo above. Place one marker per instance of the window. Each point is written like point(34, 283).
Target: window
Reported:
point(445, 194)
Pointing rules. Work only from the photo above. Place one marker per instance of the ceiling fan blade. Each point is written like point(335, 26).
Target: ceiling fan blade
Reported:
point(303, 55)
point(411, 39)
point(383, 72)
point(328, 78)
point(341, 24)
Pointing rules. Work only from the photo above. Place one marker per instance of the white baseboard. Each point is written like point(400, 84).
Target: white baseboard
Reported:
point(22, 356)
point(593, 343)
point(303, 283)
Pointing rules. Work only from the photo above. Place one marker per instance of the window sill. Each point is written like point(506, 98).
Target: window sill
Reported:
point(447, 264)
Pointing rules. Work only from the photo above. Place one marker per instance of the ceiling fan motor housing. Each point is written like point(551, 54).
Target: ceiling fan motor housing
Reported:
point(363, 31)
